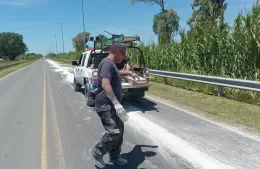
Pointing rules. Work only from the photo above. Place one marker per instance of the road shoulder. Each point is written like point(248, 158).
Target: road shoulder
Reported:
point(240, 115)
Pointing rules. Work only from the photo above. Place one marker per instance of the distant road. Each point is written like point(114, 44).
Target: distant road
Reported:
point(44, 124)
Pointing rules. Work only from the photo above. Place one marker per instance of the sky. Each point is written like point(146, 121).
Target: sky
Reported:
point(37, 20)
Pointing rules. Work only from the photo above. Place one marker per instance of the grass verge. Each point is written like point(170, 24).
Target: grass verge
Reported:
point(239, 114)
point(6, 71)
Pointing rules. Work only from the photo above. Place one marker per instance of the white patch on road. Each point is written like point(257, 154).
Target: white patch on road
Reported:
point(66, 71)
point(87, 118)
point(129, 144)
point(81, 107)
point(171, 143)
point(150, 164)
point(79, 125)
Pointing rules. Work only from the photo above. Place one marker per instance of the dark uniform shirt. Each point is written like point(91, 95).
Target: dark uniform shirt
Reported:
point(108, 69)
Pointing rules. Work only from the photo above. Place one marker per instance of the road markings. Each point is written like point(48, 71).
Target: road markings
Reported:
point(59, 149)
point(44, 137)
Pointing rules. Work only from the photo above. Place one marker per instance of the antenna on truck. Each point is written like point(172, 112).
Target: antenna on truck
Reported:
point(110, 33)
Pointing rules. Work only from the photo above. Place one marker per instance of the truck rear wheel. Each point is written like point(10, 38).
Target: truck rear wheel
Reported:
point(89, 97)
point(77, 86)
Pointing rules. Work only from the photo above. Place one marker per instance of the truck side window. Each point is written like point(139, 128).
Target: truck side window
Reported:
point(80, 59)
point(89, 63)
point(83, 60)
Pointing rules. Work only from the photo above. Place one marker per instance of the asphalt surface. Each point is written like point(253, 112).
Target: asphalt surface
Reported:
point(44, 124)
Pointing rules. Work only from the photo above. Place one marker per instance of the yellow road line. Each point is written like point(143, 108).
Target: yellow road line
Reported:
point(44, 140)
point(59, 149)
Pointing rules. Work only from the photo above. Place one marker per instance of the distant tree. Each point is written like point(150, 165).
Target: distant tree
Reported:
point(30, 56)
point(161, 3)
point(12, 45)
point(78, 41)
point(207, 11)
point(102, 37)
point(50, 55)
point(165, 23)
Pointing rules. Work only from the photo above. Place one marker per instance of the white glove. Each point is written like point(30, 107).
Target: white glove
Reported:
point(121, 113)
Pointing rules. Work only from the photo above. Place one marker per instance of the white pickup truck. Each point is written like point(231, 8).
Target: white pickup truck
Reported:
point(85, 74)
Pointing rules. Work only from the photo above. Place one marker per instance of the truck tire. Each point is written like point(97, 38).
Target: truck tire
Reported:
point(77, 86)
point(89, 97)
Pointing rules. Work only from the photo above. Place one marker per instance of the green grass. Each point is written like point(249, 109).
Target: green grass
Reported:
point(222, 109)
point(6, 71)
point(231, 93)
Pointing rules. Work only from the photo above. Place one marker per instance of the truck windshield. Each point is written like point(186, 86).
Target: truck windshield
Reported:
point(98, 57)
point(102, 56)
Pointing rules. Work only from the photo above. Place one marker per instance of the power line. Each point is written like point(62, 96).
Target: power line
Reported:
point(105, 7)
point(83, 19)
point(74, 5)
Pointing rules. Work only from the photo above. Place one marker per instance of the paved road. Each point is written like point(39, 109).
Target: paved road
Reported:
point(45, 124)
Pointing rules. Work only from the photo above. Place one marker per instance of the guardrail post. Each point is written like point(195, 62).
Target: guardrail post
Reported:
point(221, 91)
point(165, 80)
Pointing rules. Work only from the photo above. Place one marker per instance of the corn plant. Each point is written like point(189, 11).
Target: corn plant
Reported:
point(229, 51)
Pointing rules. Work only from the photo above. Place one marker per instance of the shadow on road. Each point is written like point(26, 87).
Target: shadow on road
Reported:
point(144, 105)
point(135, 157)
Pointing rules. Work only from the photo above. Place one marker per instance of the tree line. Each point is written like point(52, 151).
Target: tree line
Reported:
point(13, 47)
point(79, 46)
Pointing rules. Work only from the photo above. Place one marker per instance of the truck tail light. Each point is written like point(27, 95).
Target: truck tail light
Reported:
point(94, 77)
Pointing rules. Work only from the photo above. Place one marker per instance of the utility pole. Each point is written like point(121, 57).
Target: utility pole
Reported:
point(62, 36)
point(56, 44)
point(84, 38)
point(52, 47)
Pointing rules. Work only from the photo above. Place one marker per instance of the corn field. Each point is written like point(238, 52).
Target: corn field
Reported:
point(229, 51)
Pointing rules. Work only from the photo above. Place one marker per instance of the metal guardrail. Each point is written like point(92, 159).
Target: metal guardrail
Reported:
point(213, 80)
point(14, 64)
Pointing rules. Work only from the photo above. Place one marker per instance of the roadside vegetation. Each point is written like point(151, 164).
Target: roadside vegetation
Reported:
point(12, 51)
point(8, 70)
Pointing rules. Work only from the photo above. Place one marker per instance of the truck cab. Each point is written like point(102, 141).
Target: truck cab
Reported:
point(85, 74)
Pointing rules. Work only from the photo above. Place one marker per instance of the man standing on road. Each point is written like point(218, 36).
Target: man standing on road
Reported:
point(109, 108)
